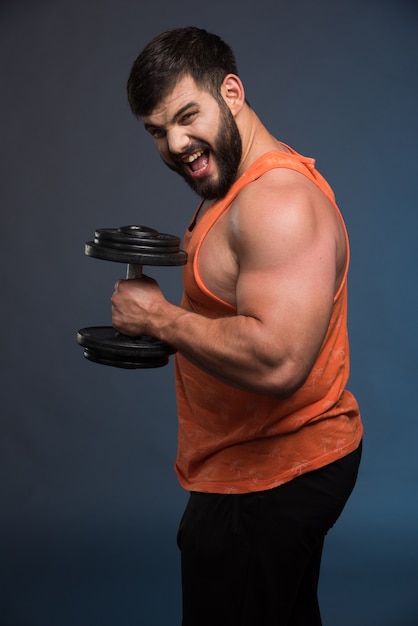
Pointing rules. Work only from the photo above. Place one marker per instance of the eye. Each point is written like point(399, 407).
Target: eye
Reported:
point(187, 118)
point(155, 131)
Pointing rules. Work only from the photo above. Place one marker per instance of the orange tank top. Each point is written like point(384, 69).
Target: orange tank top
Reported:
point(237, 441)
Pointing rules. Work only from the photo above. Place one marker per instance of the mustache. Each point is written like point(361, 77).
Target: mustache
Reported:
point(177, 157)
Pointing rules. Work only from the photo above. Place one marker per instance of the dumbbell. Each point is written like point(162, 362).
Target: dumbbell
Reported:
point(136, 246)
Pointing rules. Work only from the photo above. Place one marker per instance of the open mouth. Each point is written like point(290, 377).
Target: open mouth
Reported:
point(197, 162)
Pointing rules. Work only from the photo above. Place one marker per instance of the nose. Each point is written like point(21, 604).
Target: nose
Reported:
point(177, 140)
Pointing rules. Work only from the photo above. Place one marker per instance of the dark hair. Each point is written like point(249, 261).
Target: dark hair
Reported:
point(172, 55)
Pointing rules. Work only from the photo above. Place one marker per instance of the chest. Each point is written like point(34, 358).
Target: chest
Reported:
point(216, 262)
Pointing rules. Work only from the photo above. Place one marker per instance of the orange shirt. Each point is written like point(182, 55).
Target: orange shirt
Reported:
point(238, 441)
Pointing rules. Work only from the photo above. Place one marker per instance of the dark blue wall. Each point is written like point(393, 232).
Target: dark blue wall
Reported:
point(89, 504)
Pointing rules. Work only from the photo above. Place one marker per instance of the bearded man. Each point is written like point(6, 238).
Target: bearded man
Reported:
point(269, 437)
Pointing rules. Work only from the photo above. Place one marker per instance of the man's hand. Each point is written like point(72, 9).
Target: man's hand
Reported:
point(135, 303)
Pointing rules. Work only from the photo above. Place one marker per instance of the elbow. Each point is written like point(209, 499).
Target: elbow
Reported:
point(284, 380)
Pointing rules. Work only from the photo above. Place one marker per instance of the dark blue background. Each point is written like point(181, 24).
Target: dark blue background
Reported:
point(89, 504)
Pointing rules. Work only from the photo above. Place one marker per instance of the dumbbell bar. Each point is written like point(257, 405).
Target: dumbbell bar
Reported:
point(136, 246)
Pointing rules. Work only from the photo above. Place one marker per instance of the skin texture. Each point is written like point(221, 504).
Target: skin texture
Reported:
point(278, 254)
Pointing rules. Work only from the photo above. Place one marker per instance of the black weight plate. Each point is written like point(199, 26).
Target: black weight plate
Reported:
point(137, 245)
point(106, 337)
point(97, 357)
point(103, 344)
point(137, 236)
point(135, 257)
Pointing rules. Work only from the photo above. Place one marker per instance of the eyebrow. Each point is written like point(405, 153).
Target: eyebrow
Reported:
point(175, 117)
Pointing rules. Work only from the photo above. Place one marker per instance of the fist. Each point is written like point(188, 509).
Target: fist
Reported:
point(135, 304)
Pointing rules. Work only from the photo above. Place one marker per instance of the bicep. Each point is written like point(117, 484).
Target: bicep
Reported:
point(287, 260)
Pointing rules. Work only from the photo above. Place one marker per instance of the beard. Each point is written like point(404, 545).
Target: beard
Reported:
point(227, 152)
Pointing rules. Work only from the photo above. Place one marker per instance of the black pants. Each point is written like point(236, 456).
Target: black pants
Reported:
point(254, 559)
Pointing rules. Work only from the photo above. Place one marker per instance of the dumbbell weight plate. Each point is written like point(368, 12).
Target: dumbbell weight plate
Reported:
point(105, 345)
point(137, 245)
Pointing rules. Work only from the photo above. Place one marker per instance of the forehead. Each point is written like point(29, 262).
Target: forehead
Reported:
point(185, 92)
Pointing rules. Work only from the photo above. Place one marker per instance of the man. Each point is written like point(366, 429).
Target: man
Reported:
point(269, 437)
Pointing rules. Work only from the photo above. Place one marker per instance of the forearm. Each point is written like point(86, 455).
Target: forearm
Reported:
point(236, 350)
point(245, 351)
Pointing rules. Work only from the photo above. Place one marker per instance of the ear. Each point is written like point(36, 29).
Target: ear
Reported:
point(232, 91)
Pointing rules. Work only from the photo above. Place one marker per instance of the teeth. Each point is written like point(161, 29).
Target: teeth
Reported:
point(193, 157)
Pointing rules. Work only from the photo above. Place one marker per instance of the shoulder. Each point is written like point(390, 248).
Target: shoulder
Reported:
point(282, 186)
point(283, 216)
point(281, 199)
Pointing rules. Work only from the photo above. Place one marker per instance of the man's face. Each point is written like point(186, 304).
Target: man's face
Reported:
point(198, 138)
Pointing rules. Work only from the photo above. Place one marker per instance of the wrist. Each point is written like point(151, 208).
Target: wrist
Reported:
point(165, 324)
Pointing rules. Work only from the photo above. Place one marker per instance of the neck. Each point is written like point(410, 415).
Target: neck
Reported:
point(256, 139)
